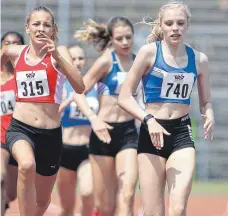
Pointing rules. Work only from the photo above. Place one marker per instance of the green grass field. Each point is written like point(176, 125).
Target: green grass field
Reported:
point(210, 188)
point(218, 188)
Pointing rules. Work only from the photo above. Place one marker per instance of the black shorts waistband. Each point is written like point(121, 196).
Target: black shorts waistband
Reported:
point(122, 124)
point(177, 121)
point(32, 129)
point(75, 146)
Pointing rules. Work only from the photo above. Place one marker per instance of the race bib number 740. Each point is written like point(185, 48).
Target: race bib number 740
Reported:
point(177, 85)
point(32, 84)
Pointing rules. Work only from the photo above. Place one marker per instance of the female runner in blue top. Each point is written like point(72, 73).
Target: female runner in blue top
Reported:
point(75, 167)
point(169, 69)
point(113, 141)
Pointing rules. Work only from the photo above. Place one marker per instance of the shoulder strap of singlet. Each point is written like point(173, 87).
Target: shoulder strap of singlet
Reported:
point(191, 57)
point(158, 54)
point(114, 59)
point(22, 54)
point(159, 47)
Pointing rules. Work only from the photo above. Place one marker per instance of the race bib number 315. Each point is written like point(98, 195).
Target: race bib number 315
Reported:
point(177, 85)
point(7, 102)
point(32, 84)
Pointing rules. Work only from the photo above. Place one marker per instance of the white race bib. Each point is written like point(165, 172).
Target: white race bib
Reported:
point(32, 84)
point(75, 113)
point(177, 85)
point(121, 76)
point(7, 102)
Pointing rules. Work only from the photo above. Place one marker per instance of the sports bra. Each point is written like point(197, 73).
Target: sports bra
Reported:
point(38, 83)
point(112, 82)
point(166, 84)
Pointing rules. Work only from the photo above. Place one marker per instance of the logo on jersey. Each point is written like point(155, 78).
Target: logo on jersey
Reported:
point(179, 77)
point(30, 75)
point(44, 64)
point(158, 72)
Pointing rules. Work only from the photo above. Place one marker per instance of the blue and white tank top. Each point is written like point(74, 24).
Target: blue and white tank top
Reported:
point(72, 116)
point(166, 84)
point(111, 84)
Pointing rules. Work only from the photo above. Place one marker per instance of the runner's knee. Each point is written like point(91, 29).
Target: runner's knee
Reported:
point(176, 208)
point(27, 167)
point(106, 207)
point(43, 202)
point(86, 191)
point(127, 193)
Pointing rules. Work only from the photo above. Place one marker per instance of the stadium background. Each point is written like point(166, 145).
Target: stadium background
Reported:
point(208, 32)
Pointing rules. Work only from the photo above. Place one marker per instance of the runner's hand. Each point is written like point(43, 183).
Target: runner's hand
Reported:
point(156, 132)
point(101, 128)
point(208, 127)
point(49, 46)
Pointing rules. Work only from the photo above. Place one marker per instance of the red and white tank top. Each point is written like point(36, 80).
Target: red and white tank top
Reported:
point(7, 93)
point(41, 83)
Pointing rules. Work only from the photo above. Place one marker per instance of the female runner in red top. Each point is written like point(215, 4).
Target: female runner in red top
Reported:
point(34, 136)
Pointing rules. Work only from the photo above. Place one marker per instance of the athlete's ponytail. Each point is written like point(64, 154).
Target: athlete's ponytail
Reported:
point(100, 34)
point(94, 33)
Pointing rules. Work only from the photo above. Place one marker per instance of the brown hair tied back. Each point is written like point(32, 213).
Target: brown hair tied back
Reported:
point(94, 33)
point(100, 34)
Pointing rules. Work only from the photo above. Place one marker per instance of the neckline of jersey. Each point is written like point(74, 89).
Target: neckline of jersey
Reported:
point(26, 52)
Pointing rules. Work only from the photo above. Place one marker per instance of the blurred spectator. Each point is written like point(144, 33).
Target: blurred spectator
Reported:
point(223, 4)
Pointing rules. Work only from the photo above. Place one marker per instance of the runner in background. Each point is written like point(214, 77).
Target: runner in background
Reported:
point(8, 89)
point(113, 141)
point(75, 169)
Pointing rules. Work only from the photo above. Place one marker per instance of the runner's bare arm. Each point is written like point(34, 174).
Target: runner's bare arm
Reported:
point(65, 63)
point(10, 52)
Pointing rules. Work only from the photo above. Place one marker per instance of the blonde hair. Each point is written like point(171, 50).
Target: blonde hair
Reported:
point(156, 33)
point(100, 34)
point(54, 37)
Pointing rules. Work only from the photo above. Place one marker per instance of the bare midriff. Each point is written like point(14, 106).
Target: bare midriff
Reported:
point(77, 135)
point(39, 115)
point(167, 111)
point(110, 111)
